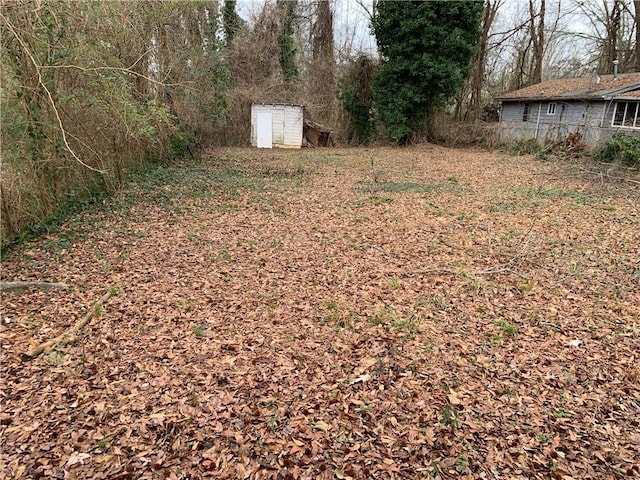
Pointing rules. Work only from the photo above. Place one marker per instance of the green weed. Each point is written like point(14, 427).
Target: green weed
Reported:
point(408, 325)
point(198, 331)
point(461, 465)
point(364, 407)
point(562, 412)
point(543, 438)
point(378, 200)
point(503, 207)
point(192, 397)
point(449, 417)
point(525, 147)
point(104, 443)
point(394, 283)
point(58, 359)
point(339, 318)
point(507, 330)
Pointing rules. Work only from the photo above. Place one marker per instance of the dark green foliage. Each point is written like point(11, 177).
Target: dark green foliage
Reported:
point(621, 147)
point(427, 47)
point(231, 21)
point(356, 95)
point(286, 40)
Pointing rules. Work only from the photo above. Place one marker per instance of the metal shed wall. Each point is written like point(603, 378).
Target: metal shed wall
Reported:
point(287, 124)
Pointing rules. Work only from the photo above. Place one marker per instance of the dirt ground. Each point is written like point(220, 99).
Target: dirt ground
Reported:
point(332, 313)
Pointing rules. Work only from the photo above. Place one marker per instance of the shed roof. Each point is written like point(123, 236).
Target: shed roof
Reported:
point(584, 88)
point(278, 104)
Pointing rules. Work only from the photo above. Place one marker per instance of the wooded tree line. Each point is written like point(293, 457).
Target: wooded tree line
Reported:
point(93, 89)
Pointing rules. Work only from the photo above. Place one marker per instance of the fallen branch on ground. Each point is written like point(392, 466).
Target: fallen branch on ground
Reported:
point(13, 286)
point(69, 334)
point(505, 267)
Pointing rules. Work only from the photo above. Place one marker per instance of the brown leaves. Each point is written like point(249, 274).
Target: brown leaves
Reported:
point(275, 332)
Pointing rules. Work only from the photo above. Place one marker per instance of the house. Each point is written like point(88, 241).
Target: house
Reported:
point(276, 125)
point(596, 107)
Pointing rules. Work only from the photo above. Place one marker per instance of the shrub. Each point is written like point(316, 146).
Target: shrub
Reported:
point(621, 147)
point(356, 95)
point(525, 147)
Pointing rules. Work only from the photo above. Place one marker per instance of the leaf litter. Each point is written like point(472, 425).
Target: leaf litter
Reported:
point(345, 313)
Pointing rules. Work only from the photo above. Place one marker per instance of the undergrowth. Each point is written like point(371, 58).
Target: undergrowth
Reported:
point(98, 198)
point(621, 147)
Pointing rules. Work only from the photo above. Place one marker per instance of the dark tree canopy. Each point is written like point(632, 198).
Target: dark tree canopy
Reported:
point(426, 50)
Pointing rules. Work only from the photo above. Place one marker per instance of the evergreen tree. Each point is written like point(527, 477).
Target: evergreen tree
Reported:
point(231, 21)
point(286, 40)
point(426, 49)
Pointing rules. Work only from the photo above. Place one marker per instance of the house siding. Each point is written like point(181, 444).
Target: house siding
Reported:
point(591, 118)
point(585, 105)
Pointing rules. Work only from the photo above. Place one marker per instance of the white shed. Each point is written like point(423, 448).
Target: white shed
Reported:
point(276, 125)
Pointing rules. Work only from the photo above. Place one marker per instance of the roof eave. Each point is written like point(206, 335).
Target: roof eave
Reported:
point(551, 99)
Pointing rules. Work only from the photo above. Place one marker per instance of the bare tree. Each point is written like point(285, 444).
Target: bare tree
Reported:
point(469, 100)
point(636, 5)
point(536, 30)
point(322, 68)
point(612, 33)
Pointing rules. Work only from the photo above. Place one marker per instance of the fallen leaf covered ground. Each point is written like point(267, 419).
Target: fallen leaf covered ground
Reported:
point(341, 313)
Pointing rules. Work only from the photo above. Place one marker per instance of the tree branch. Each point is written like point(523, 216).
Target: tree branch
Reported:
point(69, 334)
point(13, 286)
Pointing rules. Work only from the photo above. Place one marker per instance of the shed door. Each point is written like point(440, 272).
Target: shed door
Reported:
point(264, 130)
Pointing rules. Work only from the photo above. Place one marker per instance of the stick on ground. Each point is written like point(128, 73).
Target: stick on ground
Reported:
point(69, 334)
point(12, 286)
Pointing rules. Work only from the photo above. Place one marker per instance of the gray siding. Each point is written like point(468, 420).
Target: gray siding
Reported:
point(591, 118)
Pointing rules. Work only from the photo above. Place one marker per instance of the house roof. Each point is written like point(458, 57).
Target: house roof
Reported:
point(603, 87)
point(633, 95)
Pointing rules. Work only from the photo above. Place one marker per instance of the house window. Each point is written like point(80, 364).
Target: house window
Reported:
point(551, 109)
point(626, 114)
point(525, 114)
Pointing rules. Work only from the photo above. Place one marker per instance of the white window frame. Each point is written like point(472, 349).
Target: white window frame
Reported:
point(636, 118)
point(551, 108)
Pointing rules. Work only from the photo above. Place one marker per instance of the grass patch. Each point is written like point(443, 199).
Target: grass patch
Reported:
point(554, 193)
point(402, 187)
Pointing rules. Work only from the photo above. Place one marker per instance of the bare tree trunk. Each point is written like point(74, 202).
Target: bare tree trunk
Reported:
point(520, 72)
point(537, 39)
point(479, 62)
point(611, 22)
point(322, 73)
point(636, 4)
